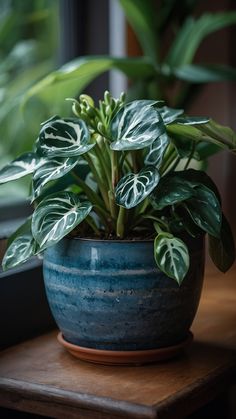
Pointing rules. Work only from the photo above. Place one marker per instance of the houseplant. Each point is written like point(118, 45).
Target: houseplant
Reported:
point(141, 194)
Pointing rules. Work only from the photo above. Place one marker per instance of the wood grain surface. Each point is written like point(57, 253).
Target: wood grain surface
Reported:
point(40, 376)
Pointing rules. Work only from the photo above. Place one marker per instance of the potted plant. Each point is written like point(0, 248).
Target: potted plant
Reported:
point(123, 244)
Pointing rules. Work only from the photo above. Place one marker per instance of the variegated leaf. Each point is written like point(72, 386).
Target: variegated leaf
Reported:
point(56, 216)
point(21, 247)
point(51, 169)
point(157, 150)
point(22, 166)
point(67, 137)
point(135, 187)
point(191, 120)
point(136, 125)
point(171, 255)
point(169, 115)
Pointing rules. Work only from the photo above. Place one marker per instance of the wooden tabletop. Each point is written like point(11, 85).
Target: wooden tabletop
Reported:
point(39, 376)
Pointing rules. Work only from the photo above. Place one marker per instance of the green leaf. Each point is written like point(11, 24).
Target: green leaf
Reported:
point(136, 125)
point(171, 190)
point(74, 76)
point(198, 177)
point(22, 166)
point(219, 134)
point(222, 249)
point(169, 115)
point(157, 150)
point(210, 132)
point(134, 188)
point(21, 246)
point(68, 137)
point(141, 16)
point(171, 256)
point(191, 120)
point(51, 169)
point(192, 33)
point(204, 209)
point(194, 73)
point(56, 216)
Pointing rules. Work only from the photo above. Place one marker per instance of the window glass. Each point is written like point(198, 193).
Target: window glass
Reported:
point(28, 51)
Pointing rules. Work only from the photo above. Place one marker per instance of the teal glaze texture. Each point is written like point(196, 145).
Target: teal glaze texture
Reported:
point(110, 294)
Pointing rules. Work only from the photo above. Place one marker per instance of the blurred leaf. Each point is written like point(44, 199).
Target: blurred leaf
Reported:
point(207, 73)
point(73, 77)
point(141, 16)
point(193, 32)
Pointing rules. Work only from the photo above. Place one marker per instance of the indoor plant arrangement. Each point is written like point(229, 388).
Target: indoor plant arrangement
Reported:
point(135, 219)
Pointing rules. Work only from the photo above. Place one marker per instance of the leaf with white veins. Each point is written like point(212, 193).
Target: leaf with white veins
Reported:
point(68, 137)
point(136, 125)
point(171, 256)
point(20, 167)
point(135, 187)
point(51, 169)
point(56, 216)
point(21, 247)
point(157, 150)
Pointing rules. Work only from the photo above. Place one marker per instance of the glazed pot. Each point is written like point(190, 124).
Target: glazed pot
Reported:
point(110, 295)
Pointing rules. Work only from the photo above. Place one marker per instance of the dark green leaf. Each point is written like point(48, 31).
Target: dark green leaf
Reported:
point(171, 256)
point(68, 137)
point(136, 126)
point(157, 151)
point(171, 190)
point(21, 246)
point(169, 115)
point(51, 169)
point(22, 166)
point(56, 216)
point(222, 249)
point(135, 187)
point(205, 210)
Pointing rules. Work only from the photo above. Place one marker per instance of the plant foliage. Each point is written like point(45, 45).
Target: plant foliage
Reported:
point(133, 187)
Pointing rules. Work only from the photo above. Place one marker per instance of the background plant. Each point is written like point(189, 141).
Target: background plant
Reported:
point(28, 32)
point(134, 187)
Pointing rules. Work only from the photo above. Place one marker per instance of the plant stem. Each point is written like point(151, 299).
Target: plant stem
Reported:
point(191, 155)
point(120, 225)
point(99, 181)
point(114, 169)
point(95, 200)
point(92, 224)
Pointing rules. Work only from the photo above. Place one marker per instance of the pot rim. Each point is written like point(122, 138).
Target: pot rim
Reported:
point(110, 241)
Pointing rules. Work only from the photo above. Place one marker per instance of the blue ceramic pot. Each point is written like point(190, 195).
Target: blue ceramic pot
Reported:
point(110, 294)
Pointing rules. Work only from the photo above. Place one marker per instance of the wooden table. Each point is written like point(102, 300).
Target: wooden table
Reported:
point(39, 376)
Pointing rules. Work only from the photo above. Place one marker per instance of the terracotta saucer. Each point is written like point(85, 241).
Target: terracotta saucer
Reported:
point(105, 357)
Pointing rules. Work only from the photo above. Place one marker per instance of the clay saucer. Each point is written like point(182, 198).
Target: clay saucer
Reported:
point(107, 357)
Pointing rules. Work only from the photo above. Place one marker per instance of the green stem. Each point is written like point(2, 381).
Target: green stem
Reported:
point(134, 161)
point(168, 160)
point(191, 155)
point(99, 181)
point(92, 224)
point(120, 225)
point(114, 169)
point(105, 167)
point(98, 204)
